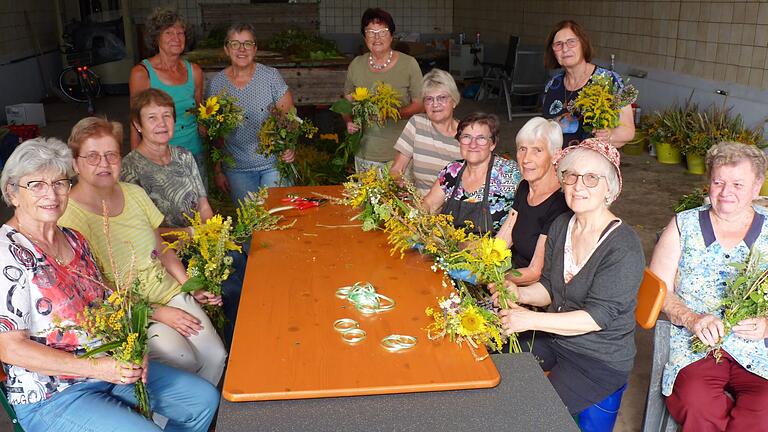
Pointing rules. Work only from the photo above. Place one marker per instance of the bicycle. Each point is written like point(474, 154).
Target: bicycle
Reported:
point(78, 82)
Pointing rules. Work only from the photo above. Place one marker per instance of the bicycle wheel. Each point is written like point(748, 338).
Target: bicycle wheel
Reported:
point(76, 88)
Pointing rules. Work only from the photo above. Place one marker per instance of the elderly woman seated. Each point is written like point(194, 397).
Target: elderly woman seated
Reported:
point(429, 140)
point(169, 175)
point(479, 188)
point(538, 201)
point(593, 266)
point(694, 257)
point(182, 334)
point(49, 278)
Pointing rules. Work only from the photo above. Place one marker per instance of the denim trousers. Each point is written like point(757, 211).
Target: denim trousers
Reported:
point(243, 181)
point(188, 401)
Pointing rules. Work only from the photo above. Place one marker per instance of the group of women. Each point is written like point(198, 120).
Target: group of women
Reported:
point(579, 264)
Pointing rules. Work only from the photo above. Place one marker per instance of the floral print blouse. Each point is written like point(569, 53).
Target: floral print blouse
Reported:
point(505, 177)
point(700, 282)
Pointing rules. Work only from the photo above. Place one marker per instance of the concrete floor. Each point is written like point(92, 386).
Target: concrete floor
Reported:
point(650, 190)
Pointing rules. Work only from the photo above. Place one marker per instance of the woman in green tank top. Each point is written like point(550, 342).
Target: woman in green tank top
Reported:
point(167, 71)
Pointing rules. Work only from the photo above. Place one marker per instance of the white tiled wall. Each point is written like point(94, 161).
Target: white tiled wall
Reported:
point(716, 40)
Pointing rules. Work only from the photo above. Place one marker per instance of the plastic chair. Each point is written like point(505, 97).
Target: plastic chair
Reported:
point(495, 74)
point(7, 406)
point(650, 297)
point(657, 417)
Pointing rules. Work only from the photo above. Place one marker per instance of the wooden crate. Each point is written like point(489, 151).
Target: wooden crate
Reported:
point(267, 18)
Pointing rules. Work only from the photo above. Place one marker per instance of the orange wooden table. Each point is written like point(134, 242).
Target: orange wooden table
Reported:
point(285, 346)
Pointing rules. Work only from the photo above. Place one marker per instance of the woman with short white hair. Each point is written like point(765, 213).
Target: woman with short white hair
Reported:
point(593, 266)
point(429, 140)
point(538, 200)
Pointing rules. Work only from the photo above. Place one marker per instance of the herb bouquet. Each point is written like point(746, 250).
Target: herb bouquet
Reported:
point(207, 248)
point(220, 116)
point(746, 296)
point(281, 132)
point(600, 102)
point(377, 194)
point(366, 109)
point(120, 323)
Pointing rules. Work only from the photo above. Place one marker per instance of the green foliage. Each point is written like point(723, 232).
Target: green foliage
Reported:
point(691, 200)
point(303, 46)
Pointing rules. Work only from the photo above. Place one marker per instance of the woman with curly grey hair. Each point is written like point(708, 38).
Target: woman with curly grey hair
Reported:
point(167, 71)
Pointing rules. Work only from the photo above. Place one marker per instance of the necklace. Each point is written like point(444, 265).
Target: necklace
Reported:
point(378, 66)
point(569, 93)
point(56, 256)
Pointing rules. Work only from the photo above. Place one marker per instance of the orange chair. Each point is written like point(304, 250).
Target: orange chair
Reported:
point(650, 298)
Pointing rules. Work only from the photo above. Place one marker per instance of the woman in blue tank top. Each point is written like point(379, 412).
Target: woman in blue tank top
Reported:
point(167, 71)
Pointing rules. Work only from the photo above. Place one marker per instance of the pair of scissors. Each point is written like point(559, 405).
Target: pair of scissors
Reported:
point(303, 203)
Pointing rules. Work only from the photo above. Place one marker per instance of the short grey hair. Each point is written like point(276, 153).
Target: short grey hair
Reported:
point(239, 28)
point(732, 153)
point(541, 129)
point(32, 156)
point(575, 158)
point(438, 79)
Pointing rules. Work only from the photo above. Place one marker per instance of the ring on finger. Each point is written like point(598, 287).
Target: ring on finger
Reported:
point(122, 379)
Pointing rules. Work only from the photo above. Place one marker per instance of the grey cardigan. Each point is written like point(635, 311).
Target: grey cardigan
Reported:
point(606, 288)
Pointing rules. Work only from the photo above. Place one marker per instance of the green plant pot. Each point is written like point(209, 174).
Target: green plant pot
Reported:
point(667, 153)
point(635, 149)
point(695, 163)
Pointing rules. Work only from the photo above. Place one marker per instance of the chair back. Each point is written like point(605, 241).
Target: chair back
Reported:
point(528, 75)
point(650, 298)
point(509, 62)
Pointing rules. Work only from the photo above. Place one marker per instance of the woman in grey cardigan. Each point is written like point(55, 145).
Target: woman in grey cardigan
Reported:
point(592, 270)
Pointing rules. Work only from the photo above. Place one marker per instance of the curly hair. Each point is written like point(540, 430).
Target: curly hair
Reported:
point(159, 21)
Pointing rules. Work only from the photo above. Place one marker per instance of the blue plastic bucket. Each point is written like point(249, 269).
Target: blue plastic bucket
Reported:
point(601, 416)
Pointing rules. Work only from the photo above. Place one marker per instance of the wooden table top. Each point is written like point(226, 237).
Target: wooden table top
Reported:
point(285, 346)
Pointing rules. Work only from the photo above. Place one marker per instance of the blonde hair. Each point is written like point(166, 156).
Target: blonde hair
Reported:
point(438, 79)
point(93, 127)
point(731, 153)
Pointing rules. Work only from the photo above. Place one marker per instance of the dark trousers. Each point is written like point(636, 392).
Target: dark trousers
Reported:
point(230, 294)
point(699, 403)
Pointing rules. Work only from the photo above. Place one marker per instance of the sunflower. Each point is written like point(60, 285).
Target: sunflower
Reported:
point(210, 107)
point(360, 94)
point(472, 322)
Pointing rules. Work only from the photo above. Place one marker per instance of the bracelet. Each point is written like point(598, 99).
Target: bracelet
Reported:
point(345, 325)
point(353, 336)
point(396, 342)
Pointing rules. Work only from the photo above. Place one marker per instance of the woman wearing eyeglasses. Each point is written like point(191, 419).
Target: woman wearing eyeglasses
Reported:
point(569, 48)
point(382, 63)
point(429, 140)
point(49, 278)
point(480, 187)
point(181, 335)
point(593, 266)
point(257, 88)
point(167, 71)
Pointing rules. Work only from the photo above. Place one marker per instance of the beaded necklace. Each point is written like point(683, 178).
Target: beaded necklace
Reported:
point(378, 66)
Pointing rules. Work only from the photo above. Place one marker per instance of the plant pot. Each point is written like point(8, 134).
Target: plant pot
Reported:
point(667, 153)
point(695, 163)
point(633, 148)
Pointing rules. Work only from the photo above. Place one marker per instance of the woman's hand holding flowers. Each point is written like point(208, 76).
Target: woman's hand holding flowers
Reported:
point(708, 328)
point(288, 156)
point(207, 297)
point(516, 319)
point(511, 288)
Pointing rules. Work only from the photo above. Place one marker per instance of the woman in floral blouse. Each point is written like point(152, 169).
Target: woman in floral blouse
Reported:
point(693, 257)
point(481, 187)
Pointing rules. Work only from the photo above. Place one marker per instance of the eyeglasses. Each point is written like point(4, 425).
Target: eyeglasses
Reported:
point(480, 140)
point(372, 34)
point(41, 187)
point(95, 158)
point(236, 44)
point(436, 100)
point(590, 180)
point(570, 43)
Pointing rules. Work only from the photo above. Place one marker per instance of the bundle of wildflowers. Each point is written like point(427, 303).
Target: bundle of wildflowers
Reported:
point(462, 320)
point(435, 233)
point(366, 109)
point(746, 296)
point(600, 102)
point(377, 194)
point(119, 324)
point(206, 251)
point(281, 132)
point(252, 215)
point(220, 116)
